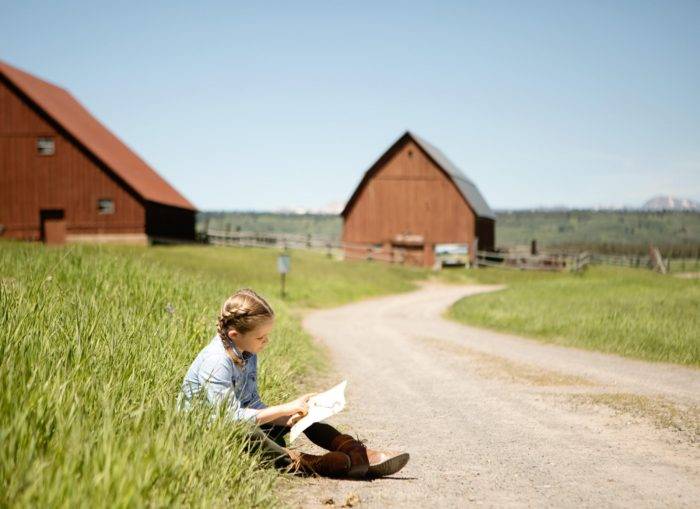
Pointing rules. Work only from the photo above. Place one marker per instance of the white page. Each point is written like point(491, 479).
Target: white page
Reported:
point(321, 407)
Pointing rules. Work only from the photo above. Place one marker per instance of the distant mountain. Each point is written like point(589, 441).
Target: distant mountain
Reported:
point(333, 208)
point(670, 203)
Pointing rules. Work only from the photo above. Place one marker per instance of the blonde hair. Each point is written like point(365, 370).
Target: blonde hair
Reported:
point(243, 311)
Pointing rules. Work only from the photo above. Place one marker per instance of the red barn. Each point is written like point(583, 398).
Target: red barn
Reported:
point(412, 200)
point(65, 176)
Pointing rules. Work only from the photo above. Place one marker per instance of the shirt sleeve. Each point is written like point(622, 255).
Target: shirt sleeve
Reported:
point(217, 380)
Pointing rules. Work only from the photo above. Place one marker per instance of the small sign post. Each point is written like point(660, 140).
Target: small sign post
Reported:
point(283, 266)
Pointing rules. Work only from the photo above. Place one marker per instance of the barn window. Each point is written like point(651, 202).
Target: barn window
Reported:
point(105, 206)
point(410, 153)
point(45, 146)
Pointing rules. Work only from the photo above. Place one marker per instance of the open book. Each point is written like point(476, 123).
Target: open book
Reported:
point(321, 406)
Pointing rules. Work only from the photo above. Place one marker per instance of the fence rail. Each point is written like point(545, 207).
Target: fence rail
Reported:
point(528, 261)
point(350, 250)
point(622, 261)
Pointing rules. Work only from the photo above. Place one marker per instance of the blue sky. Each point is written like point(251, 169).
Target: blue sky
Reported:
point(262, 105)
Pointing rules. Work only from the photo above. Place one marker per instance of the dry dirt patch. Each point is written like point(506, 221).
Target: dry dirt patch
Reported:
point(493, 366)
point(688, 275)
point(661, 412)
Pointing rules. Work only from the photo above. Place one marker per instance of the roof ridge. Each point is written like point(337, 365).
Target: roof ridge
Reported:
point(468, 189)
point(456, 171)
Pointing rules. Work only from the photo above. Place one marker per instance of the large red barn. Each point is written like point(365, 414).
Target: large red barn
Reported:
point(412, 200)
point(65, 176)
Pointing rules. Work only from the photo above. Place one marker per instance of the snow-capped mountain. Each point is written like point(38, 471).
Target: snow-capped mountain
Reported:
point(670, 203)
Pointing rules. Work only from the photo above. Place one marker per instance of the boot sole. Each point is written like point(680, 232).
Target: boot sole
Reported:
point(390, 466)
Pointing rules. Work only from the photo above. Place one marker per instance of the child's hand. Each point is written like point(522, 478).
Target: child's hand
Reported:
point(293, 419)
point(301, 404)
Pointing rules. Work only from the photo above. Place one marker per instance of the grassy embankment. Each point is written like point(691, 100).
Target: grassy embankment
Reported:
point(93, 347)
point(630, 312)
point(676, 233)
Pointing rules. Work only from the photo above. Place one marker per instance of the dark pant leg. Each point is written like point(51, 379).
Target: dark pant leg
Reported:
point(321, 434)
point(275, 433)
point(272, 449)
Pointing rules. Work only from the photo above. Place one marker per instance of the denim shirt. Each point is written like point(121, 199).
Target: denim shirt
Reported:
point(223, 382)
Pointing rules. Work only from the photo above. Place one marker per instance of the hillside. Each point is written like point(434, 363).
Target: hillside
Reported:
point(631, 229)
point(324, 225)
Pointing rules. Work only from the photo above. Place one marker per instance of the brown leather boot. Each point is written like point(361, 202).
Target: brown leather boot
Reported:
point(383, 463)
point(331, 464)
point(357, 452)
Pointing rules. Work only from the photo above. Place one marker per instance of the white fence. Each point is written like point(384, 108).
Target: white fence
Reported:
point(280, 240)
point(528, 261)
point(517, 259)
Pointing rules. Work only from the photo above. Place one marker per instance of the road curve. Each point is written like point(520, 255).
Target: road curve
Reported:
point(499, 420)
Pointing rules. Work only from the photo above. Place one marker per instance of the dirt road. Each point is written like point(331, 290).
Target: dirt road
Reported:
point(494, 419)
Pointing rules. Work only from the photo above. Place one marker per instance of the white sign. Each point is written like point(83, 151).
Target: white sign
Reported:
point(283, 264)
point(321, 406)
point(452, 254)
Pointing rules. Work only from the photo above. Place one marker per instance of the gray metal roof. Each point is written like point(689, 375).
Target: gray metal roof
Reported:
point(466, 187)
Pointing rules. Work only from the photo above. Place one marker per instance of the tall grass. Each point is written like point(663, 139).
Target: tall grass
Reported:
point(630, 312)
point(91, 362)
point(94, 345)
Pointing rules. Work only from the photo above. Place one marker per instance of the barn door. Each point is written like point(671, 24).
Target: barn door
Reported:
point(53, 226)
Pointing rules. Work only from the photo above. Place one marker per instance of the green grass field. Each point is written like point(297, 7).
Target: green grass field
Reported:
point(314, 280)
point(95, 342)
point(631, 312)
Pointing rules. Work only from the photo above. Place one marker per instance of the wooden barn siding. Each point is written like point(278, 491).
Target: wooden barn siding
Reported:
point(409, 195)
point(71, 179)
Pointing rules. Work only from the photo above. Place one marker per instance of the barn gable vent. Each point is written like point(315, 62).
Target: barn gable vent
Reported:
point(45, 146)
point(105, 206)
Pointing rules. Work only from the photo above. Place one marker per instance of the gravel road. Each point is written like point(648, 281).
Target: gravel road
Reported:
point(495, 419)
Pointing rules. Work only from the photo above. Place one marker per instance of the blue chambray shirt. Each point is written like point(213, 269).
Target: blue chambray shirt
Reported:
point(223, 382)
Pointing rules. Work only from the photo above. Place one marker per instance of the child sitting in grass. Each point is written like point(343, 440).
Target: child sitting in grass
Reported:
point(225, 371)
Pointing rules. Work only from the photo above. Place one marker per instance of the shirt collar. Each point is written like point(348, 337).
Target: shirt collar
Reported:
point(244, 355)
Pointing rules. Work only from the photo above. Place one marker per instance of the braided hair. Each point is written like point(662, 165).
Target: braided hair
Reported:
point(243, 311)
